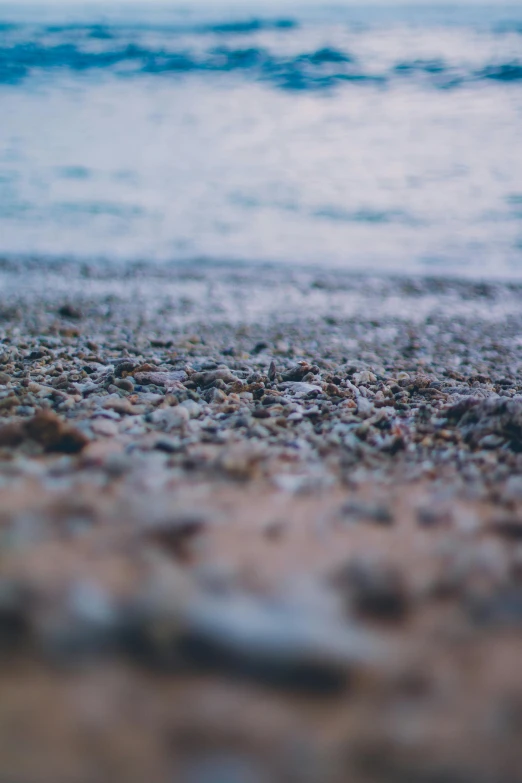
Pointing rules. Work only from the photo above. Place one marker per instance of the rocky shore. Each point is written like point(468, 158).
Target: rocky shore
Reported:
point(259, 525)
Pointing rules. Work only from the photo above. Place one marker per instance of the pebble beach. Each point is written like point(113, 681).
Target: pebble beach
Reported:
point(259, 525)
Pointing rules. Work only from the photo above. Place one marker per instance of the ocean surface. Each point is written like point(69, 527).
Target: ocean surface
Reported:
point(382, 138)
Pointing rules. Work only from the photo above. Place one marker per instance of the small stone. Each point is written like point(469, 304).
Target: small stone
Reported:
point(168, 445)
point(193, 408)
point(12, 434)
point(241, 462)
point(4, 378)
point(6, 403)
point(69, 311)
point(54, 434)
point(206, 378)
point(176, 535)
point(374, 512)
point(25, 410)
point(124, 367)
point(271, 642)
point(170, 418)
point(125, 384)
point(118, 404)
point(169, 380)
point(297, 372)
point(364, 407)
point(300, 389)
point(104, 427)
point(373, 590)
point(292, 483)
point(97, 452)
point(216, 396)
point(364, 377)
point(261, 413)
point(35, 388)
point(491, 442)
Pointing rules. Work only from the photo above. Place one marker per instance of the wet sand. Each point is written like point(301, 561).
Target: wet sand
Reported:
point(259, 526)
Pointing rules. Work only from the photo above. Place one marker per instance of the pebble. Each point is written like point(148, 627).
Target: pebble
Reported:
point(300, 389)
point(170, 418)
point(124, 383)
point(361, 510)
point(245, 636)
point(206, 378)
point(373, 589)
point(46, 429)
point(104, 427)
point(169, 445)
point(176, 534)
point(118, 404)
point(11, 434)
point(193, 408)
point(169, 380)
point(364, 408)
point(9, 402)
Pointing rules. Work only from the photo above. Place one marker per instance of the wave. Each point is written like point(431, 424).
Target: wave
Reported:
point(103, 31)
point(504, 72)
point(319, 68)
point(26, 52)
point(248, 27)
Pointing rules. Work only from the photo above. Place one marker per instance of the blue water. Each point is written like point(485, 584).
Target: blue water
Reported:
point(369, 137)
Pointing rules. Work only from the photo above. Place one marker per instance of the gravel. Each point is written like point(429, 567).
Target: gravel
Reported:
point(288, 482)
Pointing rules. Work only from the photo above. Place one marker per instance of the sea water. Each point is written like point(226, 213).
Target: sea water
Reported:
point(373, 137)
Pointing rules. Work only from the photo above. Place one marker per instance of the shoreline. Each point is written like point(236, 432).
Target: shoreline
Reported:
point(279, 517)
point(103, 267)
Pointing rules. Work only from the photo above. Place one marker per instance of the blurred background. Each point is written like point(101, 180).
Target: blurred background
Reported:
point(368, 136)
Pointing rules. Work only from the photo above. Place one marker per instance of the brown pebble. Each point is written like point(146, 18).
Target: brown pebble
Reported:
point(374, 590)
point(261, 413)
point(9, 402)
point(121, 405)
point(176, 536)
point(125, 384)
point(211, 376)
point(11, 434)
point(54, 434)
